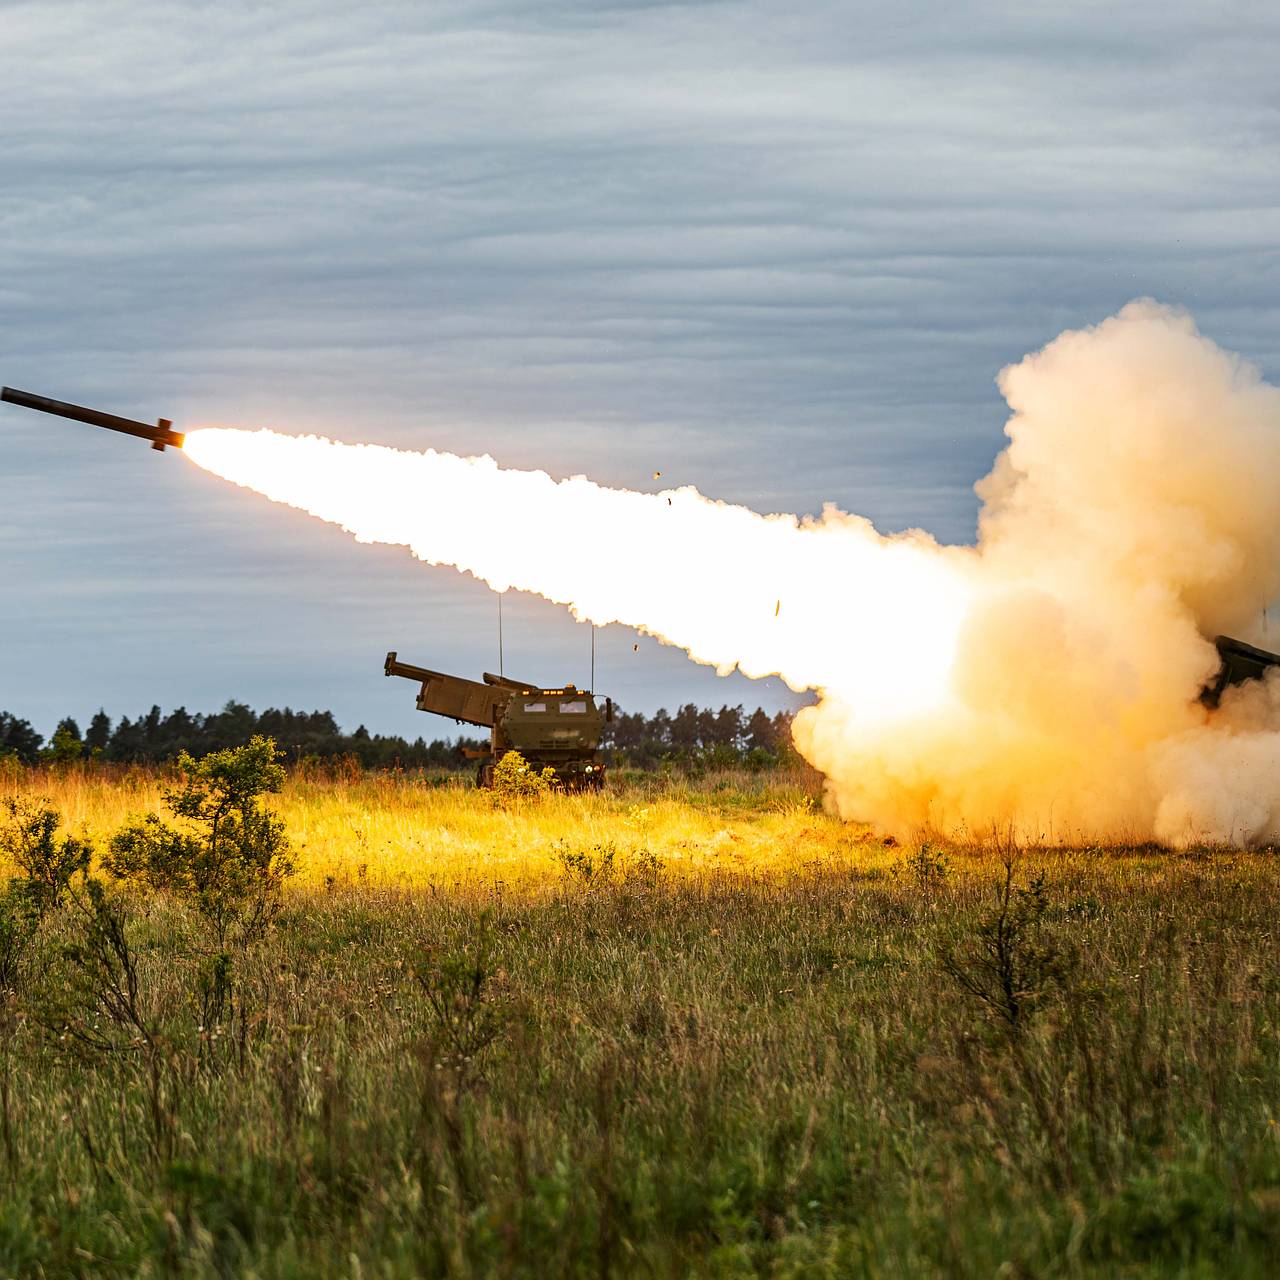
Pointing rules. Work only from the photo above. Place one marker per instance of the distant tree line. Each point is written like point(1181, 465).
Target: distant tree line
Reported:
point(156, 737)
point(691, 734)
point(727, 736)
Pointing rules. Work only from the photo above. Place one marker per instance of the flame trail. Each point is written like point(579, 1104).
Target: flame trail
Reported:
point(1045, 678)
point(733, 588)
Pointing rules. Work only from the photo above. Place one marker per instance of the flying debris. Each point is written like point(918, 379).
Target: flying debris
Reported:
point(160, 435)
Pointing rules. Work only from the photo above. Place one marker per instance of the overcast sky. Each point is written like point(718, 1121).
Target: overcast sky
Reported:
point(778, 251)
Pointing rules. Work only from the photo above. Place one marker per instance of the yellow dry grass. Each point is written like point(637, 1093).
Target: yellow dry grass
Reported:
point(397, 830)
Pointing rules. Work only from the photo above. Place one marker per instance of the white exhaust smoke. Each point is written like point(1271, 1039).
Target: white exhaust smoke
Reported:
point(1044, 680)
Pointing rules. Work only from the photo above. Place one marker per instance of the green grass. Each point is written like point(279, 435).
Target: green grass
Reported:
point(666, 1067)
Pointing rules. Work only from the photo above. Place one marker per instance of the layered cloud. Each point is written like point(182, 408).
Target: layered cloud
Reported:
point(775, 252)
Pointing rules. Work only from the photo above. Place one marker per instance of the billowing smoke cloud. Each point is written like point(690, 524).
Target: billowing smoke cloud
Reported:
point(1044, 680)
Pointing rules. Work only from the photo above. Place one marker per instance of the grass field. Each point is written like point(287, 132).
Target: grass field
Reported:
point(677, 1029)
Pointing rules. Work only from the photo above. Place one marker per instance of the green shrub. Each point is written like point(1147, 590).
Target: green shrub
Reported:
point(101, 1004)
point(18, 925)
point(29, 837)
point(514, 778)
point(592, 865)
point(49, 865)
point(927, 865)
point(467, 1003)
point(227, 856)
point(1010, 962)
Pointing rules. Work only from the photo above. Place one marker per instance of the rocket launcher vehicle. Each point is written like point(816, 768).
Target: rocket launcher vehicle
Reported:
point(161, 435)
point(557, 728)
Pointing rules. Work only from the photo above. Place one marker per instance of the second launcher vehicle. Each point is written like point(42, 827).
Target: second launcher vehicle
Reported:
point(559, 728)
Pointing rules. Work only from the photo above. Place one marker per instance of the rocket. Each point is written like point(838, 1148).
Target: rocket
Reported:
point(160, 435)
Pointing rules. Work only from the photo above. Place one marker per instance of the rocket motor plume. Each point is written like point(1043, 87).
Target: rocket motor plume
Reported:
point(1044, 680)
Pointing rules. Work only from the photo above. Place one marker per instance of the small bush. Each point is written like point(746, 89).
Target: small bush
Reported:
point(49, 864)
point(1011, 963)
point(18, 925)
point(229, 856)
point(592, 865)
point(644, 866)
point(927, 865)
point(514, 778)
point(468, 1008)
point(29, 836)
point(102, 1007)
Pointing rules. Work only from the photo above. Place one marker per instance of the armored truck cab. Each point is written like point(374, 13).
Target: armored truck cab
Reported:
point(556, 727)
point(560, 728)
